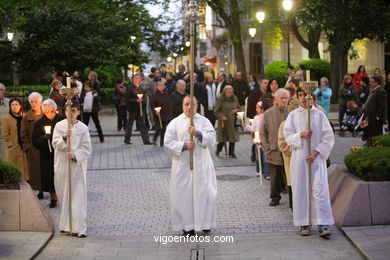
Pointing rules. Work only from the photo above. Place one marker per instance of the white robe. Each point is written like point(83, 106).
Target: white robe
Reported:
point(192, 193)
point(81, 147)
point(322, 141)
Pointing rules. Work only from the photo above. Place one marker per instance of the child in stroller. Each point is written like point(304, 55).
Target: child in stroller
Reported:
point(350, 123)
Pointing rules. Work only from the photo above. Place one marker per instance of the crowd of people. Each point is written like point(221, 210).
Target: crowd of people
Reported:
point(158, 101)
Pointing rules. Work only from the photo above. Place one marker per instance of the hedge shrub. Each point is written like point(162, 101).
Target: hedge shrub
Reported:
point(318, 68)
point(9, 173)
point(370, 164)
point(107, 75)
point(277, 70)
point(383, 139)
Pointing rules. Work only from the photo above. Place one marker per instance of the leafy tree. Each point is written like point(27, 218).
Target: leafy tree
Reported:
point(344, 21)
point(71, 34)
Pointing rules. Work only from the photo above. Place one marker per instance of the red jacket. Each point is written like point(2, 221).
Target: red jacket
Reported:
point(356, 79)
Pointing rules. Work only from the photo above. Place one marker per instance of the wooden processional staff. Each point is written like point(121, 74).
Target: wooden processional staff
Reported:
point(68, 93)
point(192, 16)
point(309, 87)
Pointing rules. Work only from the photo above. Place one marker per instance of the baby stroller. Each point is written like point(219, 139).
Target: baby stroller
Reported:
point(350, 123)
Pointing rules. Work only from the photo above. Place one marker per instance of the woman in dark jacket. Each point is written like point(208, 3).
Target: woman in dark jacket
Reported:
point(160, 99)
point(89, 101)
point(120, 91)
point(41, 142)
point(225, 110)
point(347, 93)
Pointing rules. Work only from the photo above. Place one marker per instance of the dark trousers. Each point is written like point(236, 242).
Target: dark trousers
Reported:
point(342, 110)
point(231, 147)
point(95, 119)
point(121, 112)
point(141, 123)
point(160, 132)
point(277, 180)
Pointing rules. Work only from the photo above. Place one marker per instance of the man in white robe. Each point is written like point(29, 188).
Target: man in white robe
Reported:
point(296, 134)
point(192, 192)
point(80, 151)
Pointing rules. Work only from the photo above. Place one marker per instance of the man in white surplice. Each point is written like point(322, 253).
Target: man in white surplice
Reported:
point(192, 192)
point(80, 151)
point(296, 134)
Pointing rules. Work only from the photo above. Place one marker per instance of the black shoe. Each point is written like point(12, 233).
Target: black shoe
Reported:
point(102, 140)
point(82, 235)
point(53, 204)
point(233, 156)
point(40, 195)
point(217, 153)
point(127, 142)
point(253, 159)
point(149, 143)
point(274, 203)
point(206, 231)
point(191, 233)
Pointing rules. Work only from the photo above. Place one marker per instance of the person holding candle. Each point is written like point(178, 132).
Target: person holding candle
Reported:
point(134, 105)
point(32, 154)
point(159, 103)
point(225, 110)
point(10, 129)
point(42, 141)
point(90, 102)
point(261, 107)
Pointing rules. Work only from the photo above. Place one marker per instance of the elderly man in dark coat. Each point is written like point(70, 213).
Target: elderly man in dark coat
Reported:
point(176, 98)
point(273, 117)
point(240, 88)
point(376, 109)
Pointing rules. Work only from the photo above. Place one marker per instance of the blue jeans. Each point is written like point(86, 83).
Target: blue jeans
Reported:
point(264, 165)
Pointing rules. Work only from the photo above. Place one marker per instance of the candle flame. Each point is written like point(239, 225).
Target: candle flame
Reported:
point(157, 109)
point(47, 129)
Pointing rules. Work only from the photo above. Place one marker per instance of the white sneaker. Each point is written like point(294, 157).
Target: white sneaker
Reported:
point(82, 235)
point(258, 174)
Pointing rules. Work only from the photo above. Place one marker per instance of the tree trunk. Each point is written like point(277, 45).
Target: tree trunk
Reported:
point(239, 57)
point(338, 67)
point(311, 44)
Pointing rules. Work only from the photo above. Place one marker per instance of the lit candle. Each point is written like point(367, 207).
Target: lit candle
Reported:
point(47, 131)
point(158, 109)
point(308, 75)
point(241, 115)
point(251, 121)
point(68, 82)
point(140, 103)
point(257, 137)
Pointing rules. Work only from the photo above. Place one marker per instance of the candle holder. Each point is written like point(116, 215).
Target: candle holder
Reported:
point(48, 131)
point(158, 109)
point(140, 103)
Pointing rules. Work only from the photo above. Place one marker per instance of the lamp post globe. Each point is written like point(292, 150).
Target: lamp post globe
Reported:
point(287, 5)
point(10, 36)
point(260, 16)
point(252, 32)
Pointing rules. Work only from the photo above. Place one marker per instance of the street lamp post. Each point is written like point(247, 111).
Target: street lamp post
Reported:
point(260, 16)
point(174, 57)
point(287, 6)
point(252, 33)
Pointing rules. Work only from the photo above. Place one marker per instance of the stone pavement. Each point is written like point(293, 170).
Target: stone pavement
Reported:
point(22, 245)
point(128, 206)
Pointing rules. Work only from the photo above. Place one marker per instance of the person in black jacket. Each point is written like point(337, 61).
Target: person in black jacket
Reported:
point(160, 99)
point(41, 142)
point(133, 107)
point(364, 89)
point(90, 102)
point(347, 92)
point(176, 98)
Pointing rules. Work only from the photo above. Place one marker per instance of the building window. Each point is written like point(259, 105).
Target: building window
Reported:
point(202, 49)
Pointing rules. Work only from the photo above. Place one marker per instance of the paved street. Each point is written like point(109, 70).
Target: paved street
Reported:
point(128, 205)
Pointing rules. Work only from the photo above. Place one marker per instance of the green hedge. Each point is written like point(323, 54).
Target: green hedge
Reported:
point(9, 173)
point(383, 140)
point(318, 68)
point(370, 164)
point(277, 70)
